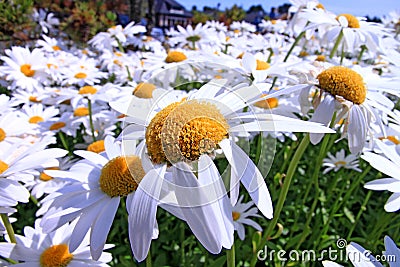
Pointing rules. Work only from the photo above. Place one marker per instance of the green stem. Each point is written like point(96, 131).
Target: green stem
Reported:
point(64, 142)
point(34, 200)
point(148, 259)
point(282, 196)
point(129, 74)
point(9, 228)
point(91, 120)
point(259, 148)
point(360, 212)
point(335, 47)
point(121, 49)
point(296, 41)
point(363, 49)
point(230, 256)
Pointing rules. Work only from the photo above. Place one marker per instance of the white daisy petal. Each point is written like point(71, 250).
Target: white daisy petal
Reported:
point(393, 203)
point(142, 212)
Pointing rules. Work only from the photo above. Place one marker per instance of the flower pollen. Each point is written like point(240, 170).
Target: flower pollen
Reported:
point(34, 99)
point(80, 75)
point(87, 90)
point(35, 119)
point(81, 111)
point(235, 215)
point(267, 103)
point(262, 65)
point(352, 21)
point(144, 90)
point(2, 135)
point(3, 166)
point(185, 130)
point(175, 56)
point(121, 175)
point(57, 126)
point(26, 70)
point(96, 147)
point(344, 82)
point(56, 256)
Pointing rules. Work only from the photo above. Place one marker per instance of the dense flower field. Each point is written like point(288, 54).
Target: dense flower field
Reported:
point(220, 146)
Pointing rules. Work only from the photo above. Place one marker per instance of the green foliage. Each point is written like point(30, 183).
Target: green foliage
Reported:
point(200, 17)
point(87, 19)
point(15, 19)
point(235, 13)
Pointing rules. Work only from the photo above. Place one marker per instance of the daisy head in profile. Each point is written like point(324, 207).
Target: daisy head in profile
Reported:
point(343, 92)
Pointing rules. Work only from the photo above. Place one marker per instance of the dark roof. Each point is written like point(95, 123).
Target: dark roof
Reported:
point(171, 7)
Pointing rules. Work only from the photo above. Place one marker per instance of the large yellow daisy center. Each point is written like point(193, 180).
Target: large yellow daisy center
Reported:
point(80, 75)
point(175, 56)
point(261, 65)
point(35, 119)
point(56, 256)
point(185, 130)
point(144, 90)
point(344, 82)
point(87, 90)
point(121, 176)
point(2, 135)
point(26, 70)
point(81, 111)
point(3, 166)
point(353, 21)
point(97, 146)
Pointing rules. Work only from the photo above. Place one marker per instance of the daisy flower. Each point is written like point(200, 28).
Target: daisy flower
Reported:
point(37, 113)
point(193, 38)
point(24, 68)
point(12, 127)
point(185, 133)
point(99, 181)
point(339, 161)
point(83, 72)
point(241, 213)
point(36, 248)
point(343, 90)
point(389, 164)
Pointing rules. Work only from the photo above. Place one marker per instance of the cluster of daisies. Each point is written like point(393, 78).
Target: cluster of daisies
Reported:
point(131, 119)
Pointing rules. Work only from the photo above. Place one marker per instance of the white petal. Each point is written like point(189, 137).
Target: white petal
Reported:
point(382, 164)
point(390, 184)
point(251, 177)
point(142, 212)
point(393, 203)
point(101, 227)
point(356, 130)
point(322, 114)
point(92, 157)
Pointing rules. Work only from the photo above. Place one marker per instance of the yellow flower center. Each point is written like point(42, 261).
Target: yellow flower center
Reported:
point(45, 177)
point(235, 215)
point(344, 82)
point(320, 58)
point(240, 56)
point(340, 163)
point(81, 111)
point(118, 54)
point(117, 62)
point(391, 138)
point(261, 65)
point(35, 119)
point(34, 99)
point(267, 103)
point(273, 22)
point(121, 176)
point(97, 146)
point(80, 75)
point(3, 166)
point(27, 71)
point(87, 90)
point(321, 6)
point(57, 126)
point(236, 31)
point(303, 54)
point(184, 131)
point(353, 21)
point(2, 135)
point(56, 256)
point(144, 90)
point(175, 56)
point(56, 48)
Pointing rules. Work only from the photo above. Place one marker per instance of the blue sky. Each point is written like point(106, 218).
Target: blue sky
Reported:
point(355, 7)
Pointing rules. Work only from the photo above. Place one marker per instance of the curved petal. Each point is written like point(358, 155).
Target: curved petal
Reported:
point(142, 212)
point(251, 177)
point(393, 203)
point(323, 114)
